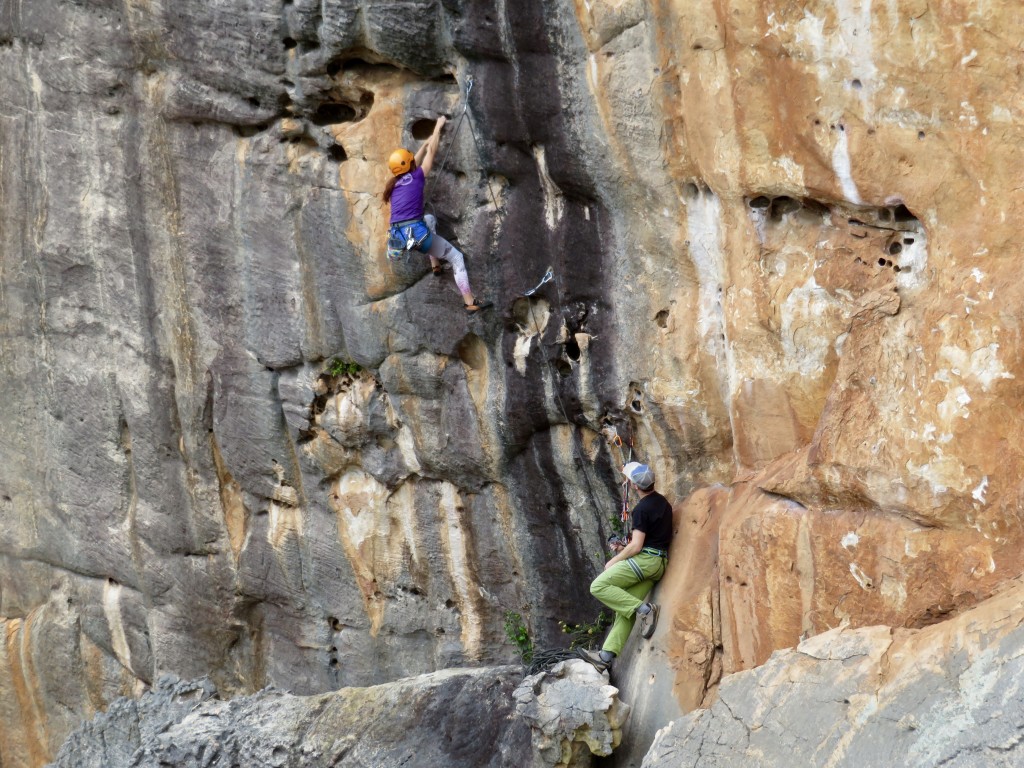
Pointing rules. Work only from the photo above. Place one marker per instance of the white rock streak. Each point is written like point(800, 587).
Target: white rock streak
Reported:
point(112, 612)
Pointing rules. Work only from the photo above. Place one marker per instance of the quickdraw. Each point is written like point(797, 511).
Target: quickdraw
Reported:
point(548, 277)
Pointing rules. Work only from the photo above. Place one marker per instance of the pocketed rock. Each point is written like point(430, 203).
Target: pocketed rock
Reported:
point(949, 694)
point(458, 718)
point(574, 714)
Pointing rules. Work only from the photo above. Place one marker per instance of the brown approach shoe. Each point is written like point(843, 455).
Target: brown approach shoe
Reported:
point(648, 621)
point(477, 306)
point(594, 658)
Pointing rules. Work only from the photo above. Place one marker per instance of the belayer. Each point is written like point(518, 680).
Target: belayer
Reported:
point(638, 564)
point(409, 230)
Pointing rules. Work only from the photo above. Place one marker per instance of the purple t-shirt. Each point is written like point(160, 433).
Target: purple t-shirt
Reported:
point(407, 196)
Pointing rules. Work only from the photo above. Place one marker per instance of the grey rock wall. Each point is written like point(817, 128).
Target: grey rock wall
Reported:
point(190, 233)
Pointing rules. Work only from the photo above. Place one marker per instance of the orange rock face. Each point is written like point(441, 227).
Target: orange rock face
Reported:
point(845, 306)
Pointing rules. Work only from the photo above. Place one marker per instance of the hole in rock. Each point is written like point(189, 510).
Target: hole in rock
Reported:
point(637, 406)
point(422, 129)
point(902, 213)
point(332, 649)
point(897, 268)
point(885, 214)
point(895, 248)
point(449, 603)
point(814, 207)
point(908, 241)
point(888, 263)
point(856, 84)
point(253, 101)
point(472, 352)
point(333, 663)
point(871, 131)
point(691, 190)
point(920, 134)
point(337, 153)
point(760, 202)
point(248, 131)
point(335, 624)
point(572, 349)
point(563, 368)
point(662, 318)
point(783, 205)
point(289, 43)
point(329, 114)
point(881, 262)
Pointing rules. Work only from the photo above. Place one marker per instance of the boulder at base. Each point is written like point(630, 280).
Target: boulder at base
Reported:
point(946, 695)
point(458, 718)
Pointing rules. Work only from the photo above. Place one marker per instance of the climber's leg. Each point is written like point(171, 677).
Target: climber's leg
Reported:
point(431, 221)
point(445, 251)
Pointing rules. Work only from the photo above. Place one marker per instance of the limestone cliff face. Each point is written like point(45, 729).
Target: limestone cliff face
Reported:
point(782, 238)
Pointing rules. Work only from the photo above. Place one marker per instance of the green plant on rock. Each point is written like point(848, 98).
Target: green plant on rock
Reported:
point(618, 525)
point(587, 636)
point(339, 367)
point(519, 635)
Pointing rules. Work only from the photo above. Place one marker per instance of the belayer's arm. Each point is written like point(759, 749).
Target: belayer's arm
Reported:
point(425, 154)
point(636, 543)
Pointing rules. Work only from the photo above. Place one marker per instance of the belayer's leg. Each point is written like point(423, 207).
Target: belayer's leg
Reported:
point(620, 589)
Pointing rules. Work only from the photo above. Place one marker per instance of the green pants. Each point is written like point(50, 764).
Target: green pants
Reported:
point(623, 590)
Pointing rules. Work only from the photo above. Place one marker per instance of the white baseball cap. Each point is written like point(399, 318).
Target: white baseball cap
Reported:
point(640, 474)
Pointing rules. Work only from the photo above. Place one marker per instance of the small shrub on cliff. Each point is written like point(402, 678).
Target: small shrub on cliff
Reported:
point(339, 367)
point(586, 636)
point(519, 635)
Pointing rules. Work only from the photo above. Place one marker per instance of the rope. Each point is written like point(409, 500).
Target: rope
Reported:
point(451, 144)
point(548, 277)
point(577, 443)
point(543, 661)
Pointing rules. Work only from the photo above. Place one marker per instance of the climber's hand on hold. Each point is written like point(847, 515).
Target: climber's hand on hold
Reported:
point(440, 123)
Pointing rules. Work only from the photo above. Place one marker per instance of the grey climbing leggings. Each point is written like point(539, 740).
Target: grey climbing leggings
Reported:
point(442, 249)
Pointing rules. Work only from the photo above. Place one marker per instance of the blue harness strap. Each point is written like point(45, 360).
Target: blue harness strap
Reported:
point(405, 236)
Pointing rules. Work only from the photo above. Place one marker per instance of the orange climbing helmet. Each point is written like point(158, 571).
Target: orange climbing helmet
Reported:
point(400, 161)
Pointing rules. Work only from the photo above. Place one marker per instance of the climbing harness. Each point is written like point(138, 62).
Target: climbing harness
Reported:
point(407, 236)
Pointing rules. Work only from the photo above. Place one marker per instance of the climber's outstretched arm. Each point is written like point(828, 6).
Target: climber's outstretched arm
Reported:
point(425, 154)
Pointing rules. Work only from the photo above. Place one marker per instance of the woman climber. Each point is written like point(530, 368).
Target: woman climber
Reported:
point(404, 192)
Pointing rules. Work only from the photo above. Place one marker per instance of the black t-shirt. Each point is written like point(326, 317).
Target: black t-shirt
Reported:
point(653, 515)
